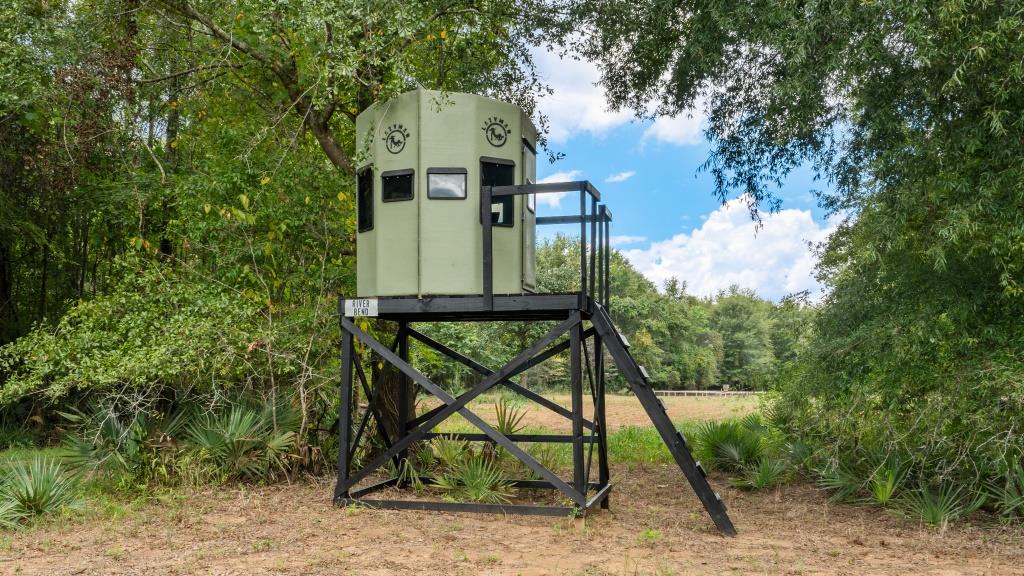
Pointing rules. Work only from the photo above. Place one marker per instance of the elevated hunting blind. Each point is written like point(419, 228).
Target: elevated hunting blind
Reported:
point(446, 233)
point(423, 158)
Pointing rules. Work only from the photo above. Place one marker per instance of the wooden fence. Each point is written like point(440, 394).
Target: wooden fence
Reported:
point(704, 393)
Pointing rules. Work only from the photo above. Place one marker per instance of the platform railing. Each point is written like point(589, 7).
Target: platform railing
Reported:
point(595, 255)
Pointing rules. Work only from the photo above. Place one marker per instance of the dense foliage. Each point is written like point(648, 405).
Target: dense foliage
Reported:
point(176, 207)
point(155, 329)
point(912, 112)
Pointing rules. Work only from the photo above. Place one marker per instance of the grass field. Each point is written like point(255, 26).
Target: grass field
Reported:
point(655, 527)
point(621, 410)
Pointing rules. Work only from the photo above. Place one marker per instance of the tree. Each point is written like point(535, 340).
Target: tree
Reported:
point(791, 322)
point(669, 333)
point(67, 91)
point(744, 322)
point(914, 114)
point(324, 62)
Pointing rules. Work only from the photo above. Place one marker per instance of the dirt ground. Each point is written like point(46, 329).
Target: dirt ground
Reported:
point(655, 526)
point(622, 410)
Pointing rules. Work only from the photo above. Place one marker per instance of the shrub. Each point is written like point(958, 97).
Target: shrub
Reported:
point(886, 480)
point(133, 448)
point(840, 481)
point(448, 452)
point(10, 513)
point(729, 446)
point(475, 478)
point(765, 473)
point(158, 325)
point(939, 386)
point(800, 454)
point(509, 417)
point(942, 506)
point(243, 443)
point(1007, 493)
point(233, 440)
point(34, 488)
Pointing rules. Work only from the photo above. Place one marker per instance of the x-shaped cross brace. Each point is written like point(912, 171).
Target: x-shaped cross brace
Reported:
point(457, 405)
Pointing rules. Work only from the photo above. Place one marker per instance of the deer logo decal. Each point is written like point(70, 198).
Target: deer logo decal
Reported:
point(395, 137)
point(496, 131)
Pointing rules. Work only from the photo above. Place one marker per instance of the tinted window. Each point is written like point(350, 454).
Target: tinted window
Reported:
point(396, 185)
point(495, 174)
point(364, 199)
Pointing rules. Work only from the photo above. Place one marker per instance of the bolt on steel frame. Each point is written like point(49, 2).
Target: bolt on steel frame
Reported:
point(587, 347)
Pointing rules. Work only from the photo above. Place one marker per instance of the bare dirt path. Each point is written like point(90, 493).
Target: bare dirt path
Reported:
point(655, 527)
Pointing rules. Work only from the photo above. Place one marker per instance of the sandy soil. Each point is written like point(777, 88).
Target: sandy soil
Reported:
point(621, 410)
point(655, 527)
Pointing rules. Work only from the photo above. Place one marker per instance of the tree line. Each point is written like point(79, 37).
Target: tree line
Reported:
point(733, 339)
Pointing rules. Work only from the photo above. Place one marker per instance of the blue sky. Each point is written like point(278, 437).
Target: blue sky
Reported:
point(666, 219)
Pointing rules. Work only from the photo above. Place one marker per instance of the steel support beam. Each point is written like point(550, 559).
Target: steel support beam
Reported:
point(457, 405)
point(344, 414)
point(576, 382)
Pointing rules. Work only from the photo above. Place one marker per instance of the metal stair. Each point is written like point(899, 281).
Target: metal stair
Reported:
point(639, 383)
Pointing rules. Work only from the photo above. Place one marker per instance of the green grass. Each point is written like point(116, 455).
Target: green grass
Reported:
point(643, 445)
point(650, 537)
point(99, 498)
point(16, 437)
point(627, 445)
point(26, 454)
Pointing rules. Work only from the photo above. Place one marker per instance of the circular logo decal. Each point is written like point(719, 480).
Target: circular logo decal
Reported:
point(496, 131)
point(395, 137)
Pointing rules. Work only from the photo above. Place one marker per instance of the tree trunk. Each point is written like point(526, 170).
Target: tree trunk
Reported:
point(43, 273)
point(171, 159)
point(8, 318)
point(387, 382)
point(83, 255)
point(325, 137)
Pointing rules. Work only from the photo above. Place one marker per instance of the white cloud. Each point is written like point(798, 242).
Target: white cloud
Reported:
point(682, 130)
point(727, 249)
point(554, 199)
point(623, 240)
point(577, 104)
point(621, 176)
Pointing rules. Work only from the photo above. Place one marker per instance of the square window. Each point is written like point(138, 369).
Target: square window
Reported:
point(396, 185)
point(449, 185)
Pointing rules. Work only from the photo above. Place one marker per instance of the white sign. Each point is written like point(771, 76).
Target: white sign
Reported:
point(361, 307)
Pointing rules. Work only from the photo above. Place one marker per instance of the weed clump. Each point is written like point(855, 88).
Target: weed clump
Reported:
point(34, 488)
